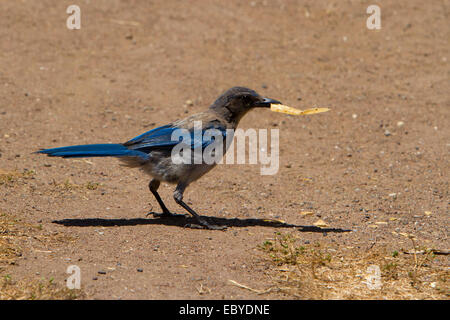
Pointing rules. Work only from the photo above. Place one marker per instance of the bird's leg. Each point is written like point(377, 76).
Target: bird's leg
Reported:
point(153, 186)
point(178, 196)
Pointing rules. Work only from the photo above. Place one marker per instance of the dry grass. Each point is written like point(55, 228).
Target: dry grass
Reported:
point(35, 290)
point(319, 271)
point(14, 235)
point(9, 177)
point(69, 186)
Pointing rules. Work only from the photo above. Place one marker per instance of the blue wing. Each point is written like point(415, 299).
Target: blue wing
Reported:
point(166, 137)
point(158, 137)
point(161, 138)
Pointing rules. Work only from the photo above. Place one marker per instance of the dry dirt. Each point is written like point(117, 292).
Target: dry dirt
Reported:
point(375, 168)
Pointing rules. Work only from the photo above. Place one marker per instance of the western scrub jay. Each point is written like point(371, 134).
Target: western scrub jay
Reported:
point(152, 150)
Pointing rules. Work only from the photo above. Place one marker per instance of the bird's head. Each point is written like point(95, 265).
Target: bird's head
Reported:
point(237, 101)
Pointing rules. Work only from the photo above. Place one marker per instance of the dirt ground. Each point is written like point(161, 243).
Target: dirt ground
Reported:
point(375, 168)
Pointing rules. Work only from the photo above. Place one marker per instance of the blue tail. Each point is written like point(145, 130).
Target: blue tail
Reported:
point(95, 150)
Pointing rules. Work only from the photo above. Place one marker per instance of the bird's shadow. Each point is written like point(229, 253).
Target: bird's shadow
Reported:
point(184, 221)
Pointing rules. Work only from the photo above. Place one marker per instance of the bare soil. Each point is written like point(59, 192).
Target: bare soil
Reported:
point(375, 168)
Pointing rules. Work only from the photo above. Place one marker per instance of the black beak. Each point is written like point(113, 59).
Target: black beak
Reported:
point(266, 102)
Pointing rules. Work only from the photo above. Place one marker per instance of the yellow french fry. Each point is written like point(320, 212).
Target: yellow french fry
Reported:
point(288, 110)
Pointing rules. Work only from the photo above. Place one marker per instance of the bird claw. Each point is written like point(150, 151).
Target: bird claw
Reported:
point(202, 224)
point(205, 225)
point(165, 215)
point(215, 227)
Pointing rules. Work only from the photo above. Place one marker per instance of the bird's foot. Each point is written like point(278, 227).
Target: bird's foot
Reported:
point(166, 214)
point(202, 224)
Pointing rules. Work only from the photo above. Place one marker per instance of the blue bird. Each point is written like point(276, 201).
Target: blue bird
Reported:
point(152, 150)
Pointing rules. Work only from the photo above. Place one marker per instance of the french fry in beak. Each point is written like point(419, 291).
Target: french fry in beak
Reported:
point(288, 110)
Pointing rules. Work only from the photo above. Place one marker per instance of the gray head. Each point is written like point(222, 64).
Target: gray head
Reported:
point(234, 103)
